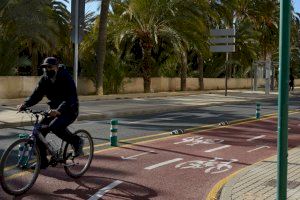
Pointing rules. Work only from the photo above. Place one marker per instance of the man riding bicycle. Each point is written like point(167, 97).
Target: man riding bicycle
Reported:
point(59, 87)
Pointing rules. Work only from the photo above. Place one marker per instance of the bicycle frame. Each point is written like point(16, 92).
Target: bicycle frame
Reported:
point(36, 133)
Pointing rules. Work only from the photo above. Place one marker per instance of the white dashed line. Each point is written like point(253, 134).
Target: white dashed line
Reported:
point(218, 148)
point(257, 137)
point(163, 163)
point(258, 148)
point(104, 190)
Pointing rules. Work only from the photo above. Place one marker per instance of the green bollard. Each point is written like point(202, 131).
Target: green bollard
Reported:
point(257, 110)
point(113, 133)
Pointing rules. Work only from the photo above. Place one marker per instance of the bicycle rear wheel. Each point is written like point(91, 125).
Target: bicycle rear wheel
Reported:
point(75, 167)
point(16, 176)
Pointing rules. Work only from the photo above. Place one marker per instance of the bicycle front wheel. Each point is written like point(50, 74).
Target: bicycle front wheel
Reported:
point(75, 167)
point(16, 175)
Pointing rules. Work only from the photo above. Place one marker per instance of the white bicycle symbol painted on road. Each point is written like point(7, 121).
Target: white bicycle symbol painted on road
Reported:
point(214, 166)
point(199, 140)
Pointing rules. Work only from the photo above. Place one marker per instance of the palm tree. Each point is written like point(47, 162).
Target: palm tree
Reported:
point(101, 48)
point(146, 24)
point(266, 21)
point(29, 22)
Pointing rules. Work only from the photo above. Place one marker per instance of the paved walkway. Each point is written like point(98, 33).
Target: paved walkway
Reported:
point(258, 181)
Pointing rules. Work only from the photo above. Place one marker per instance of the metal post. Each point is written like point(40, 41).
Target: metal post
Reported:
point(255, 77)
point(284, 64)
point(226, 69)
point(257, 114)
point(268, 70)
point(113, 133)
point(76, 42)
point(272, 76)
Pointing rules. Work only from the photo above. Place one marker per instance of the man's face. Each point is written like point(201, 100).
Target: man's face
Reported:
point(51, 70)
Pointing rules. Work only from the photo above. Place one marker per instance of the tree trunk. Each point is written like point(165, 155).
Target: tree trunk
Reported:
point(147, 84)
point(183, 73)
point(34, 60)
point(200, 70)
point(146, 69)
point(101, 47)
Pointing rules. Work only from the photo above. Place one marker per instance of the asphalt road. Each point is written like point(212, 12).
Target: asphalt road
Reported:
point(177, 167)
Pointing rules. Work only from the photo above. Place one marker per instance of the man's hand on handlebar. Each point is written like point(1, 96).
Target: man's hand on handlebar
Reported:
point(21, 107)
point(54, 113)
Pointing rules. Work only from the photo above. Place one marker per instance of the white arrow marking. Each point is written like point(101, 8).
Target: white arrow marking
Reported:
point(258, 148)
point(104, 190)
point(134, 156)
point(257, 137)
point(163, 163)
point(218, 148)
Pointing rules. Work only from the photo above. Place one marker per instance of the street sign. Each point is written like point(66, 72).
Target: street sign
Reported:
point(223, 40)
point(222, 48)
point(80, 35)
point(77, 10)
point(77, 22)
point(81, 12)
point(222, 32)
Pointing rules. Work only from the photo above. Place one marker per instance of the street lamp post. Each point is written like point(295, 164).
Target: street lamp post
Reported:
point(284, 57)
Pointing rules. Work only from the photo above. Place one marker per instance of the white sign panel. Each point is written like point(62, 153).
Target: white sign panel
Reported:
point(222, 32)
point(223, 40)
point(222, 48)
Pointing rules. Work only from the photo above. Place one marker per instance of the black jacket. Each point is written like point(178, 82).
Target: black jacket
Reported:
point(62, 93)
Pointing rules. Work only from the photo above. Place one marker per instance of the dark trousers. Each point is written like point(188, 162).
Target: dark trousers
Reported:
point(58, 126)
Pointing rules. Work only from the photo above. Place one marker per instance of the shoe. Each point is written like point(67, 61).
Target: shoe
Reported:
point(43, 166)
point(78, 148)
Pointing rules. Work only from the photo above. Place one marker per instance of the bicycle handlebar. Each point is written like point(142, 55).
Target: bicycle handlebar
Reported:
point(36, 112)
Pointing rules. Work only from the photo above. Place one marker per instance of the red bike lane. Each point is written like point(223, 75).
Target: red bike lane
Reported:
point(180, 167)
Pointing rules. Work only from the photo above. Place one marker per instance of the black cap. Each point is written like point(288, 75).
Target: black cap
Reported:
point(49, 61)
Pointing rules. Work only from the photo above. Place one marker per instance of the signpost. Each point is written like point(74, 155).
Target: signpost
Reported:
point(223, 43)
point(77, 22)
point(284, 64)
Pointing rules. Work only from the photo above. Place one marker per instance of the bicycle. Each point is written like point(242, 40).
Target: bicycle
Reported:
point(16, 175)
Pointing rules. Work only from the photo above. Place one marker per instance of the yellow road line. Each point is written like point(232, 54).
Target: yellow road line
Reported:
point(215, 190)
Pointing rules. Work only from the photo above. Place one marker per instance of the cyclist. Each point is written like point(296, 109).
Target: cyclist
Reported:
point(59, 87)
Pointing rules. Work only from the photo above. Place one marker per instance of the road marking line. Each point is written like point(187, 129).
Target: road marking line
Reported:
point(218, 148)
point(134, 156)
point(258, 148)
point(104, 190)
point(257, 137)
point(163, 163)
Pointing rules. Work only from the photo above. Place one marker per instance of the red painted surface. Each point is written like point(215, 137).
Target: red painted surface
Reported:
point(169, 181)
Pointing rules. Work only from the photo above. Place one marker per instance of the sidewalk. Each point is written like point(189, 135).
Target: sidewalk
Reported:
point(112, 106)
point(258, 181)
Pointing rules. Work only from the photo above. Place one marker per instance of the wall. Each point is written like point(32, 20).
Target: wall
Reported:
point(162, 84)
point(22, 86)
